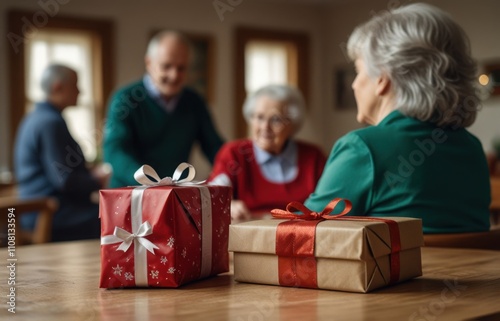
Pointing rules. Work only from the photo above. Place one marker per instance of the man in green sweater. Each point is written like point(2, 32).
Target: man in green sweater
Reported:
point(156, 120)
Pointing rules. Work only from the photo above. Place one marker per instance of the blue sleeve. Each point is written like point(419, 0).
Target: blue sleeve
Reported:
point(348, 174)
point(64, 162)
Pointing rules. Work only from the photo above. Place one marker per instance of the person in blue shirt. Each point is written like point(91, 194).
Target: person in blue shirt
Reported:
point(50, 163)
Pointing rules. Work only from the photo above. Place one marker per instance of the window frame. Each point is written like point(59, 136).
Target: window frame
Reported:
point(102, 31)
point(243, 35)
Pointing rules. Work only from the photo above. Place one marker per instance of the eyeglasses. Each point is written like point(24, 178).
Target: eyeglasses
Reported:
point(275, 121)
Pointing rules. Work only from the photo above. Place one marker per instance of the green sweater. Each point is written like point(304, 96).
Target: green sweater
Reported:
point(405, 167)
point(138, 131)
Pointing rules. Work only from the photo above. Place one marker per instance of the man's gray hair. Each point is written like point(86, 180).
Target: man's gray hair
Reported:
point(53, 74)
point(295, 105)
point(158, 37)
point(427, 57)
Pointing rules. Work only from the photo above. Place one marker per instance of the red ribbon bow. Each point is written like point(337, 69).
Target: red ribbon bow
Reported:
point(311, 215)
point(295, 241)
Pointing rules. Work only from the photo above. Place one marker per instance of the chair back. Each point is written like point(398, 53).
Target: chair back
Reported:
point(483, 240)
point(495, 201)
point(12, 207)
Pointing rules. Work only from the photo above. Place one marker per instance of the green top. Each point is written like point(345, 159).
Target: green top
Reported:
point(406, 167)
point(138, 131)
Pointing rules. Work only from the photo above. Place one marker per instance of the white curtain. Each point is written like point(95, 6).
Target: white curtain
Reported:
point(265, 63)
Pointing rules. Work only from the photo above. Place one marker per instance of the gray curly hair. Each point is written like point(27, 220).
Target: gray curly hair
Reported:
point(426, 55)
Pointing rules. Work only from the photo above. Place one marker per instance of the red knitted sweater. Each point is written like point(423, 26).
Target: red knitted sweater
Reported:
point(237, 160)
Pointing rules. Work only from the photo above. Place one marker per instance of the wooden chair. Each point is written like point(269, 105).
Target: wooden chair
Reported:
point(483, 240)
point(495, 200)
point(43, 227)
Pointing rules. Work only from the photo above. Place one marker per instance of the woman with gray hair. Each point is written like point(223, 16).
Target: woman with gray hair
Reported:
point(270, 169)
point(415, 86)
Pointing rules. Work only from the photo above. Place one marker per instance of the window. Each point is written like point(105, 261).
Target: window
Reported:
point(268, 57)
point(84, 44)
point(73, 49)
point(269, 62)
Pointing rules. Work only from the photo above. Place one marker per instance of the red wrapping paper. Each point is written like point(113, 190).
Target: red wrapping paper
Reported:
point(177, 230)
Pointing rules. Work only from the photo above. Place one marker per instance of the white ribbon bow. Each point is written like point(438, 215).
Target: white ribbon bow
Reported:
point(120, 235)
point(141, 176)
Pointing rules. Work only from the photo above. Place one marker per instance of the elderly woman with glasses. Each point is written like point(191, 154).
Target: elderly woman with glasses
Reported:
point(271, 168)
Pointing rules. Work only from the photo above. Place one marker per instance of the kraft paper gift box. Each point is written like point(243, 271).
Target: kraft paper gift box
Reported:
point(163, 236)
point(349, 253)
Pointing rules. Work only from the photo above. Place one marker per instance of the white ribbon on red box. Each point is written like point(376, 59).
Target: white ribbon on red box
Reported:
point(120, 235)
point(141, 176)
point(142, 229)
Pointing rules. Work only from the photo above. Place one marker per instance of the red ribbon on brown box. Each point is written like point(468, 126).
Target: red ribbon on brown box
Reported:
point(295, 240)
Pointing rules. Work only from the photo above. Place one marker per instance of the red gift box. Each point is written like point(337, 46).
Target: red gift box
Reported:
point(163, 236)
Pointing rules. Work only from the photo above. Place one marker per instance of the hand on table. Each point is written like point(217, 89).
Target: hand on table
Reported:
point(239, 211)
point(102, 172)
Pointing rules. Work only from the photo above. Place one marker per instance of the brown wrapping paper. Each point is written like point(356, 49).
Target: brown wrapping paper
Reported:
point(351, 255)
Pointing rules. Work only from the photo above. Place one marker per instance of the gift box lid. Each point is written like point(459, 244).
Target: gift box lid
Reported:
point(342, 239)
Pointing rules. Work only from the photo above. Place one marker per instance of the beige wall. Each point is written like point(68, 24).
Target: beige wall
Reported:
point(327, 27)
point(478, 18)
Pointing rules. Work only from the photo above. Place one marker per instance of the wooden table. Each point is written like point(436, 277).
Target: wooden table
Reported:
point(59, 281)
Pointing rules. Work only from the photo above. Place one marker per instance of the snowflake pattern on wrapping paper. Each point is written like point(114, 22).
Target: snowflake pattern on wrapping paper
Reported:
point(171, 270)
point(221, 230)
point(117, 270)
point(154, 274)
point(184, 252)
point(187, 205)
point(171, 241)
point(163, 260)
point(128, 276)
